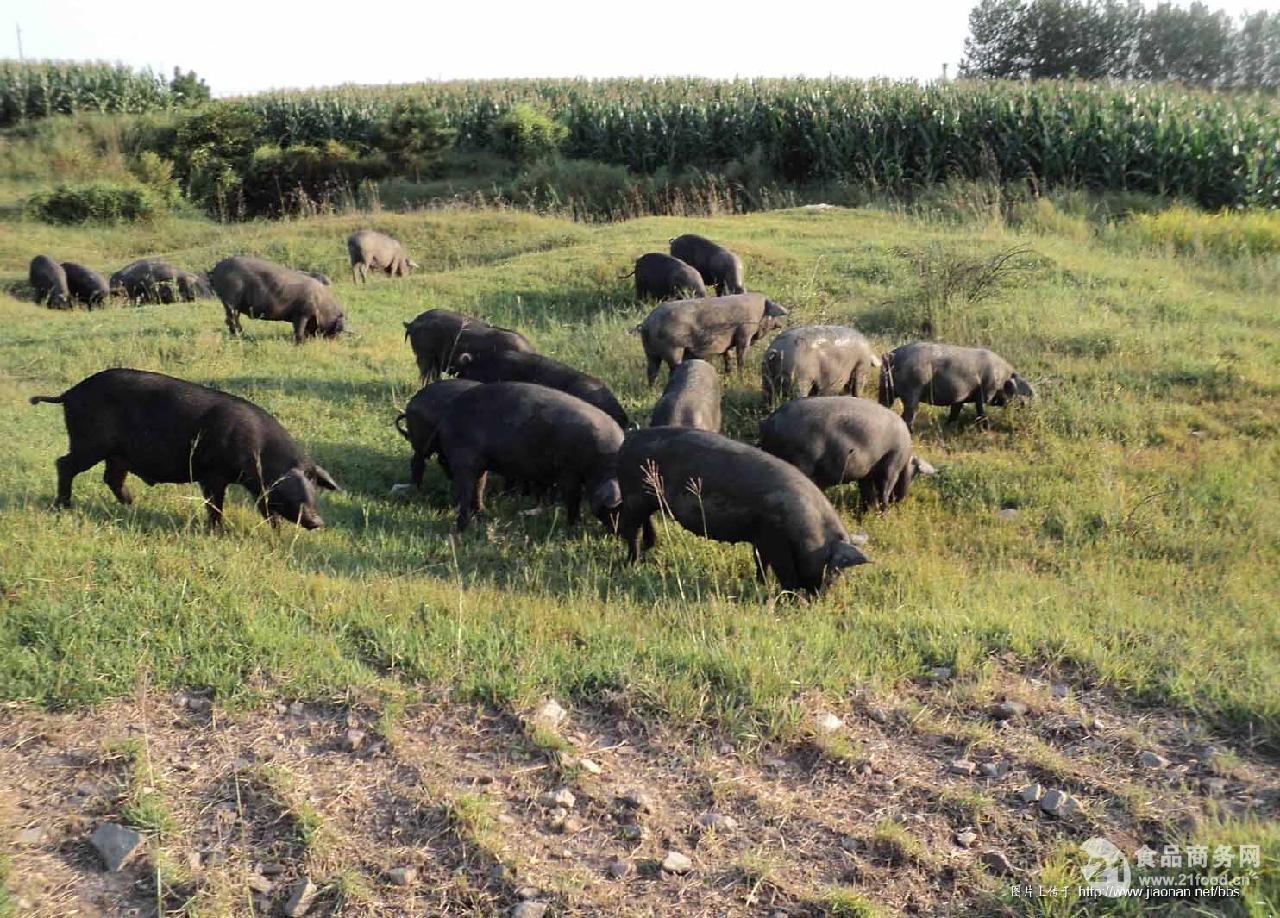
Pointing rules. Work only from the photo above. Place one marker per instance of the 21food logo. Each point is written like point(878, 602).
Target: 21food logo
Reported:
point(1107, 872)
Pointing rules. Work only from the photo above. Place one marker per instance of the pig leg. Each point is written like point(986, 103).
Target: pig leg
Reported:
point(300, 327)
point(775, 554)
point(417, 467)
point(464, 490)
point(69, 466)
point(910, 401)
point(980, 403)
point(215, 493)
point(114, 475)
point(653, 365)
point(956, 409)
point(867, 491)
point(571, 493)
point(635, 517)
point(477, 502)
point(233, 320)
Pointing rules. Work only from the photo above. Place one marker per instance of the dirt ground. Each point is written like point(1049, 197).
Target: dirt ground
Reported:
point(238, 808)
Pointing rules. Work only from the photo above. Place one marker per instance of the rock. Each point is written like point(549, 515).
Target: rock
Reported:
point(1060, 690)
point(301, 895)
point(675, 862)
point(1214, 787)
point(775, 764)
point(1031, 793)
point(996, 862)
point(403, 876)
point(725, 749)
point(115, 844)
point(720, 822)
point(589, 766)
point(86, 789)
point(194, 860)
point(940, 673)
point(967, 839)
point(1007, 710)
point(1152, 760)
point(638, 800)
point(1060, 804)
point(963, 767)
point(562, 797)
point(529, 909)
point(33, 836)
point(271, 869)
point(1008, 514)
point(401, 490)
point(260, 884)
point(849, 843)
point(878, 714)
point(297, 709)
point(353, 739)
point(993, 769)
point(572, 825)
point(618, 868)
point(633, 832)
point(550, 714)
point(827, 723)
point(525, 893)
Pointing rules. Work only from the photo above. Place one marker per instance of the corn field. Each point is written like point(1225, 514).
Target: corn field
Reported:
point(1218, 150)
point(1212, 149)
point(40, 89)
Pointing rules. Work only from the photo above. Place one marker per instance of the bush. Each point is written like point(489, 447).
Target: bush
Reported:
point(526, 135)
point(296, 179)
point(94, 201)
point(187, 88)
point(1190, 232)
point(414, 137)
point(156, 173)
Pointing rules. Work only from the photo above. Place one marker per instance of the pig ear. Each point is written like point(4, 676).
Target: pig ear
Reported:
point(1024, 387)
point(322, 478)
point(463, 359)
point(1010, 386)
point(844, 554)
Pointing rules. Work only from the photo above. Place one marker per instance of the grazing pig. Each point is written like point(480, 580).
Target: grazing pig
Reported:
point(731, 492)
point(369, 250)
point(706, 328)
point(439, 336)
point(50, 282)
point(514, 366)
point(661, 277)
point(536, 435)
point(719, 267)
point(691, 398)
point(167, 430)
point(86, 286)
point(836, 439)
point(422, 416)
point(816, 360)
point(150, 280)
point(944, 374)
point(263, 290)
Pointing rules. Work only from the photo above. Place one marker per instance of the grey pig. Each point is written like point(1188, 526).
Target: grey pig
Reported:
point(50, 282)
point(86, 285)
point(439, 337)
point(691, 398)
point(706, 328)
point(422, 416)
point(370, 250)
point(836, 439)
point(948, 375)
point(263, 290)
point(816, 360)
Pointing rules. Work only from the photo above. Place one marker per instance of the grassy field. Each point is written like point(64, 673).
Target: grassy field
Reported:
point(1140, 561)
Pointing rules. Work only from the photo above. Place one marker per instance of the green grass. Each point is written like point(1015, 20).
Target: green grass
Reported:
point(1143, 556)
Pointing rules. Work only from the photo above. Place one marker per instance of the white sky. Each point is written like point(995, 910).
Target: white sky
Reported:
point(243, 46)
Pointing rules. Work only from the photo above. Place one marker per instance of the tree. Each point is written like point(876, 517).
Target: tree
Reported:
point(1096, 39)
point(187, 88)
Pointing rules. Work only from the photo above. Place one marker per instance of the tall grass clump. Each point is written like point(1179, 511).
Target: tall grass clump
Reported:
point(1190, 232)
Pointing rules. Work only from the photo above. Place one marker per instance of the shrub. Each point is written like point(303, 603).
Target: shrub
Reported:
point(94, 201)
point(525, 134)
point(156, 172)
point(414, 137)
point(582, 186)
point(187, 88)
point(1190, 232)
point(298, 178)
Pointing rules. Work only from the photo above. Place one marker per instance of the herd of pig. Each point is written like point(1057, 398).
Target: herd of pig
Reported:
point(545, 426)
